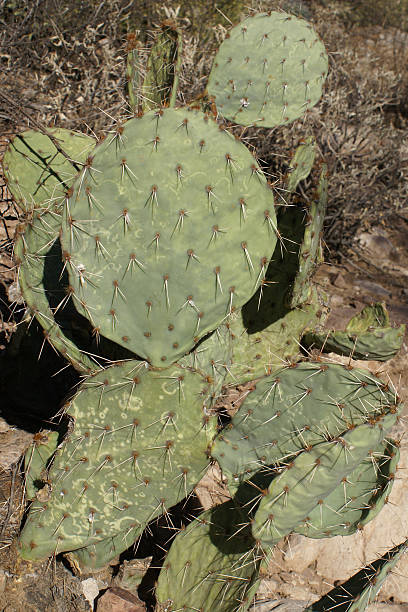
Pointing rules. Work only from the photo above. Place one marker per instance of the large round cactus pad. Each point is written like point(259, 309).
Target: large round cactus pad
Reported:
point(37, 173)
point(136, 447)
point(164, 234)
point(269, 70)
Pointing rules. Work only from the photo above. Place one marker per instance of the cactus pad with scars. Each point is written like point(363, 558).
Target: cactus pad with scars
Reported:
point(358, 499)
point(153, 214)
point(368, 335)
point(269, 70)
point(228, 579)
point(311, 476)
point(37, 174)
point(136, 446)
point(294, 409)
point(301, 164)
point(360, 590)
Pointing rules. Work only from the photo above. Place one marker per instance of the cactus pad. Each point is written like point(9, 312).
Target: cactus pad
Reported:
point(368, 335)
point(159, 235)
point(308, 479)
point(358, 499)
point(360, 590)
point(37, 174)
point(294, 409)
point(136, 446)
point(269, 70)
point(228, 579)
point(301, 164)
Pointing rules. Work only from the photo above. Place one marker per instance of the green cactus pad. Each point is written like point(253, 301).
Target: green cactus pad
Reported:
point(35, 251)
point(160, 84)
point(136, 446)
point(368, 335)
point(294, 409)
point(212, 358)
point(269, 70)
point(301, 164)
point(36, 459)
point(308, 479)
point(358, 499)
point(360, 590)
point(310, 249)
point(98, 555)
point(261, 353)
point(165, 235)
point(37, 174)
point(213, 564)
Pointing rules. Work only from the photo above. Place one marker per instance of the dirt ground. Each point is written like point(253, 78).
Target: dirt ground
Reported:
point(361, 127)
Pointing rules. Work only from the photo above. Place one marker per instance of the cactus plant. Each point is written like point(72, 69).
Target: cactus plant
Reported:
point(165, 254)
point(368, 335)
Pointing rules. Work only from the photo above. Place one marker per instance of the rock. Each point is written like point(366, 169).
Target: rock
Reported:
point(280, 605)
point(119, 600)
point(13, 443)
point(90, 590)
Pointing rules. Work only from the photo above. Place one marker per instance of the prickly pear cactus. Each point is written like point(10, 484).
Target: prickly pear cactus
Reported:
point(296, 408)
point(301, 164)
point(312, 475)
point(368, 335)
point(269, 70)
point(147, 231)
point(136, 445)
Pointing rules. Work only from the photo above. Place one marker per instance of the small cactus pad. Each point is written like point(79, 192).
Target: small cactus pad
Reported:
point(301, 164)
point(36, 251)
point(368, 335)
point(362, 589)
point(310, 249)
point(164, 235)
point(264, 351)
point(213, 564)
point(159, 86)
point(269, 70)
point(303, 484)
point(211, 357)
point(37, 174)
point(136, 446)
point(36, 459)
point(98, 555)
point(356, 500)
point(294, 409)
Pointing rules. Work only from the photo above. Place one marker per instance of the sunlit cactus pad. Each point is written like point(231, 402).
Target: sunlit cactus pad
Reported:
point(295, 408)
point(137, 445)
point(164, 234)
point(358, 499)
point(307, 480)
point(36, 173)
point(269, 70)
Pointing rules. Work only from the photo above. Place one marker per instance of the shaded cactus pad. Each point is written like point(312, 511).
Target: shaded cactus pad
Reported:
point(164, 234)
point(137, 445)
point(37, 173)
point(269, 70)
point(213, 564)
